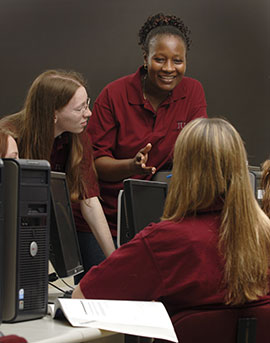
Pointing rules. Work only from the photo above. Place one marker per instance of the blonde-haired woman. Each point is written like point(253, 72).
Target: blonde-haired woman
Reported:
point(212, 246)
point(51, 126)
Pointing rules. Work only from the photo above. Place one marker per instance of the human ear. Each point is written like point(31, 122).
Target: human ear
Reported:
point(55, 117)
point(145, 64)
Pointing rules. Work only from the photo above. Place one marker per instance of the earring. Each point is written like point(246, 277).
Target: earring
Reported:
point(145, 66)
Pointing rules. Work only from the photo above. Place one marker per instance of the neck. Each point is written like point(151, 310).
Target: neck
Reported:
point(153, 95)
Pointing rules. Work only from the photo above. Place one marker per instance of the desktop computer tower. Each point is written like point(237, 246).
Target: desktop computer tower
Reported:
point(1, 233)
point(26, 186)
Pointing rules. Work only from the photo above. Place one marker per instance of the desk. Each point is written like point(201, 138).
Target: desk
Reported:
point(48, 330)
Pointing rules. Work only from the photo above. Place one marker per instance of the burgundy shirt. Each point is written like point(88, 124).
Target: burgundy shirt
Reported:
point(123, 122)
point(59, 156)
point(177, 263)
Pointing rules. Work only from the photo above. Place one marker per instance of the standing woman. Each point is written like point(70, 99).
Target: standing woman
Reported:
point(137, 118)
point(51, 126)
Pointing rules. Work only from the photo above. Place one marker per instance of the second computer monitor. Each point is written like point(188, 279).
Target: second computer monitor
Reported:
point(65, 253)
point(140, 203)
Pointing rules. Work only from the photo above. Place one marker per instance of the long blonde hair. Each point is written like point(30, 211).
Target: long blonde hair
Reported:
point(34, 125)
point(210, 166)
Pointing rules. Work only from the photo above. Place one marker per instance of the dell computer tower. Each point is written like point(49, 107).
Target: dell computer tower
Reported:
point(26, 186)
point(1, 234)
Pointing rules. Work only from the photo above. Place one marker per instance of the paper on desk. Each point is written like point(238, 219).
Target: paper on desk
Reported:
point(140, 318)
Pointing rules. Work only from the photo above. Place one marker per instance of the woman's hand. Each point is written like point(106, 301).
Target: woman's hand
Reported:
point(140, 161)
point(114, 170)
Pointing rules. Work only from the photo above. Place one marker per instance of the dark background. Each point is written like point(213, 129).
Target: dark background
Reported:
point(230, 53)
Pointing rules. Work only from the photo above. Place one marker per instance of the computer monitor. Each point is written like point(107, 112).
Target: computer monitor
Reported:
point(255, 175)
point(65, 253)
point(140, 203)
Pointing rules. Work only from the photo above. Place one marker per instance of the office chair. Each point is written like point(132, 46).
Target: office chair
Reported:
point(228, 325)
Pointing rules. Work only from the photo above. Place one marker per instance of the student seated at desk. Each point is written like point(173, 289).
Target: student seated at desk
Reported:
point(212, 246)
point(8, 145)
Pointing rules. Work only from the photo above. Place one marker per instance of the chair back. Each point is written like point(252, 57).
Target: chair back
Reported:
point(228, 325)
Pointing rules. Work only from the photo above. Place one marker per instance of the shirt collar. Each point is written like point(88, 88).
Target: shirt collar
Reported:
point(60, 141)
point(135, 92)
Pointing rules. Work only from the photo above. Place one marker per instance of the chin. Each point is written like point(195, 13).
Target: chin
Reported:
point(167, 88)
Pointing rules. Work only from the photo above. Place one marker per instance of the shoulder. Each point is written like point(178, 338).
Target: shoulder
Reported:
point(119, 88)
point(116, 85)
point(188, 228)
point(12, 123)
point(190, 83)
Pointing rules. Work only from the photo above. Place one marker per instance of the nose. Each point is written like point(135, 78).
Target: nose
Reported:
point(87, 113)
point(168, 66)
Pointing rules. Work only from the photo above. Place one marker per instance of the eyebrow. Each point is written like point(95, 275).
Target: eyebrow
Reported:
point(82, 104)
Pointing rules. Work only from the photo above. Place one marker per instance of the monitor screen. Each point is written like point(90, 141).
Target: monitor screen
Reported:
point(140, 203)
point(65, 253)
point(255, 175)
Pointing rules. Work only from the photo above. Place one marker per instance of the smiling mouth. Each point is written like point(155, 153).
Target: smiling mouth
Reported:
point(167, 78)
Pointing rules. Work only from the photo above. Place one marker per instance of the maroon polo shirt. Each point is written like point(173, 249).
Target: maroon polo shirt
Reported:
point(123, 122)
point(178, 263)
point(59, 156)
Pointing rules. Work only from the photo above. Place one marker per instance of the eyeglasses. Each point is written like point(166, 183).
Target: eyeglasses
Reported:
point(85, 107)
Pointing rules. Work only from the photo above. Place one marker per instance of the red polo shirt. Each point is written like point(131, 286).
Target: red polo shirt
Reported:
point(123, 122)
point(59, 156)
point(177, 263)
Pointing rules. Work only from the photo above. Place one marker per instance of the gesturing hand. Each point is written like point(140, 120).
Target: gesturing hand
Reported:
point(140, 161)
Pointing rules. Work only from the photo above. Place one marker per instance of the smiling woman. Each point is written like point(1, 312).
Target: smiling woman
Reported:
point(51, 127)
point(136, 119)
point(166, 65)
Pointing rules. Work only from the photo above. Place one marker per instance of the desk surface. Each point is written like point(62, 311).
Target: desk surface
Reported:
point(48, 330)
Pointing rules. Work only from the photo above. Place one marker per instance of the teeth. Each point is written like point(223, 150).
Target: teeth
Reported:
point(167, 77)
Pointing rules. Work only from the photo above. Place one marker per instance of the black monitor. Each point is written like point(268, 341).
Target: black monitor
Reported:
point(65, 253)
point(140, 203)
point(255, 175)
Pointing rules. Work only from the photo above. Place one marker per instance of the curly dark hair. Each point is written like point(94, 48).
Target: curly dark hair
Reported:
point(163, 24)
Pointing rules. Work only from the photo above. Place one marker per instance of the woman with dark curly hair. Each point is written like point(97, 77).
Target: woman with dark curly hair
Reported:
point(137, 118)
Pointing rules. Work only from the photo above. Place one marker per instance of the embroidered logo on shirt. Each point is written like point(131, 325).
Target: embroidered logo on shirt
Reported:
point(180, 125)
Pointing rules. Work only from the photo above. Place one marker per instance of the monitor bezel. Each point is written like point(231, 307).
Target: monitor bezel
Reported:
point(61, 268)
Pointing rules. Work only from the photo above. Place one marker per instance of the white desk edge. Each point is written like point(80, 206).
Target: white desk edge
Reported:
point(48, 330)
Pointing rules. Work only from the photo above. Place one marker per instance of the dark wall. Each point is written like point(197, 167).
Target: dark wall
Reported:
point(230, 53)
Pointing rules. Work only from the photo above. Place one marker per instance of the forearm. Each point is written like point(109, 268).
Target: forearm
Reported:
point(93, 214)
point(113, 170)
point(77, 293)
